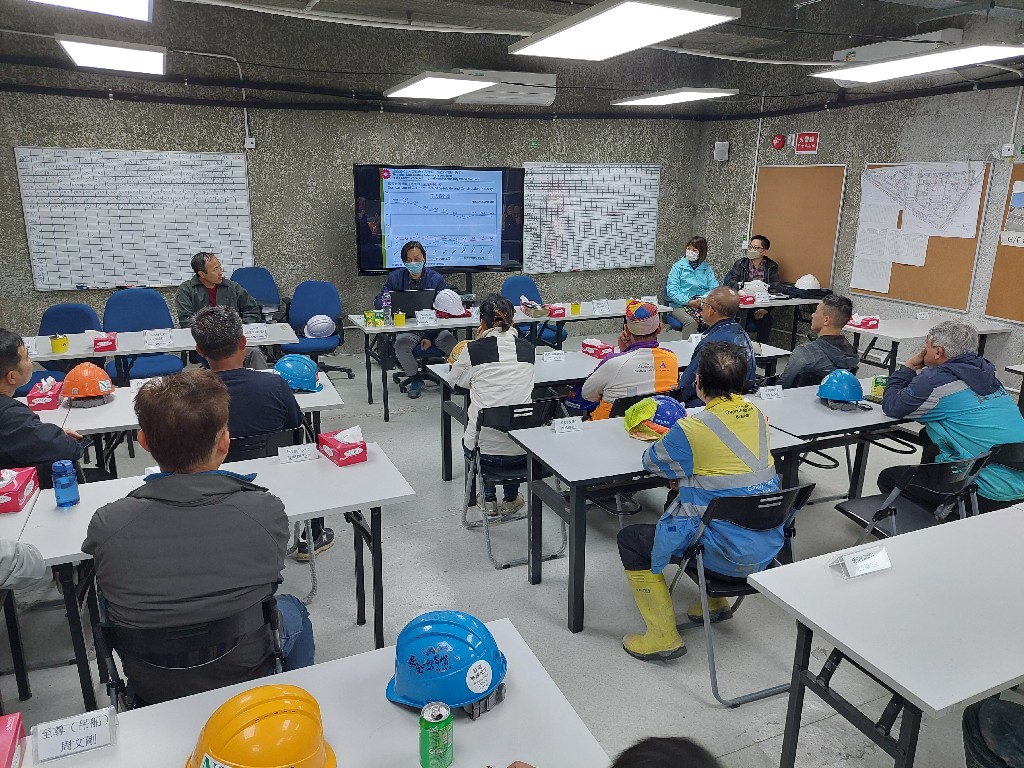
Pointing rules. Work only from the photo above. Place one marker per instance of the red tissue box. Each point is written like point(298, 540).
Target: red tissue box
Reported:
point(12, 731)
point(746, 301)
point(15, 495)
point(44, 401)
point(556, 310)
point(865, 324)
point(105, 342)
point(599, 350)
point(341, 453)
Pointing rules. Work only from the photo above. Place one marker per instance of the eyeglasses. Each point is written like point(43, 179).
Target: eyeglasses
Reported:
point(756, 248)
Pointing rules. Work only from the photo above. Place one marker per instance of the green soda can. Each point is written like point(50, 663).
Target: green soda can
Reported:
point(437, 736)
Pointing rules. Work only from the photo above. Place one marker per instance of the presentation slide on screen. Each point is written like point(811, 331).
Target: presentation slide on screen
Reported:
point(456, 214)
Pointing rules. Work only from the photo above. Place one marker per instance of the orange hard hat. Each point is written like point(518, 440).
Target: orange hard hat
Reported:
point(87, 380)
point(272, 726)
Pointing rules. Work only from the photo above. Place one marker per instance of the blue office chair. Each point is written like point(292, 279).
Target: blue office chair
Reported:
point(524, 285)
point(62, 318)
point(261, 286)
point(139, 309)
point(316, 297)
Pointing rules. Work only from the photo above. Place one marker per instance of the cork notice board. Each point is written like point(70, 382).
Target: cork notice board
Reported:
point(945, 279)
point(798, 208)
point(1004, 294)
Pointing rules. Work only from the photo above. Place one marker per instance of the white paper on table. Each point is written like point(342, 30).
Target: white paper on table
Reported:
point(871, 275)
point(910, 249)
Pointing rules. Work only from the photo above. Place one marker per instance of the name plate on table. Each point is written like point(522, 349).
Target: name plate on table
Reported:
point(770, 393)
point(425, 316)
point(863, 561)
point(157, 339)
point(924, 315)
point(695, 338)
point(601, 307)
point(553, 356)
point(652, 299)
point(136, 384)
point(571, 424)
point(293, 453)
point(255, 331)
point(30, 345)
point(81, 733)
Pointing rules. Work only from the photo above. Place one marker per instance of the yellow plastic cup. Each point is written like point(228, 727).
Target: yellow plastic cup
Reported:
point(399, 318)
point(574, 308)
point(58, 343)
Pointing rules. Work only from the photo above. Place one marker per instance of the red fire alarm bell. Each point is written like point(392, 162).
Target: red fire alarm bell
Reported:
point(778, 141)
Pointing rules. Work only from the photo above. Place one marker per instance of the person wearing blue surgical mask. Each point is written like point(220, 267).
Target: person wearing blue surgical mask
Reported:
point(689, 281)
point(415, 275)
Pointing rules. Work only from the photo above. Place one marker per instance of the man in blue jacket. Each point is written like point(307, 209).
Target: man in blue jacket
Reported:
point(415, 276)
point(719, 313)
point(954, 392)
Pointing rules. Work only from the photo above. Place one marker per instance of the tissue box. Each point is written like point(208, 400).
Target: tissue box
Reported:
point(556, 310)
point(596, 348)
point(747, 300)
point(15, 493)
point(12, 731)
point(864, 323)
point(105, 342)
point(339, 452)
point(44, 401)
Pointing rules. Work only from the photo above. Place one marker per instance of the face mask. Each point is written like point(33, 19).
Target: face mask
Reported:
point(414, 267)
point(692, 256)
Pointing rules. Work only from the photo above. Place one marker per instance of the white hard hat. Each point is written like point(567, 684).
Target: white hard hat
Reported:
point(448, 301)
point(319, 327)
point(808, 282)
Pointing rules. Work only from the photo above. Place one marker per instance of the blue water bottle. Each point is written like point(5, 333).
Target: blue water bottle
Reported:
point(65, 483)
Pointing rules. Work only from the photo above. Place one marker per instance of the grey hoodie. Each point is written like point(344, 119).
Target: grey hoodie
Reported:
point(819, 358)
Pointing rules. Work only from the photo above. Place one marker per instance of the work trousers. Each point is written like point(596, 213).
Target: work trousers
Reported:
point(636, 542)
point(690, 326)
point(762, 327)
point(407, 342)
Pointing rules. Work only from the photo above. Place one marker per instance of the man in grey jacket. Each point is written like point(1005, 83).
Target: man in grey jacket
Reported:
point(195, 543)
point(814, 360)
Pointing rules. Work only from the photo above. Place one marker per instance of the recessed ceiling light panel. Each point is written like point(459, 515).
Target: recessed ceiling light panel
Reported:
point(110, 54)
point(677, 96)
point(614, 27)
point(438, 85)
point(923, 64)
point(140, 10)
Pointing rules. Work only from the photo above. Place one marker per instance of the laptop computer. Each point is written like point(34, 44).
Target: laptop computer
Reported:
point(411, 301)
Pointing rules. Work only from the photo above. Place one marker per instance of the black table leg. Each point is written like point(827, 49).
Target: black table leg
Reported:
point(534, 512)
point(577, 555)
point(66, 577)
point(558, 333)
point(446, 432)
point(860, 465)
point(982, 338)
point(789, 469)
point(358, 546)
point(378, 580)
point(17, 649)
point(801, 660)
point(369, 377)
point(892, 356)
point(382, 359)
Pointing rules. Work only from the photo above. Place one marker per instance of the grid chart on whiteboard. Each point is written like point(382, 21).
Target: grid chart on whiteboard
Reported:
point(589, 216)
point(103, 218)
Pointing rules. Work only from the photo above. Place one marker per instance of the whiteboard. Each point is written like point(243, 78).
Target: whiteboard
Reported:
point(99, 218)
point(579, 217)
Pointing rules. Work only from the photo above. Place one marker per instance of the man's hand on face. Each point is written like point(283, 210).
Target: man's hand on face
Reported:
point(916, 363)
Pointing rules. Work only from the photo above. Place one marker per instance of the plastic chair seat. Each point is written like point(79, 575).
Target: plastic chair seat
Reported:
point(37, 376)
point(719, 585)
point(673, 322)
point(431, 351)
point(148, 366)
point(910, 515)
point(307, 346)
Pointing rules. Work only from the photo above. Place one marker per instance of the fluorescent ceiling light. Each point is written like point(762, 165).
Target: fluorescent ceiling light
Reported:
point(614, 27)
point(923, 64)
point(141, 10)
point(678, 96)
point(109, 54)
point(438, 85)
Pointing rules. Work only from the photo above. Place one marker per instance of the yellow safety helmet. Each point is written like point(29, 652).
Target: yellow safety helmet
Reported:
point(456, 351)
point(272, 726)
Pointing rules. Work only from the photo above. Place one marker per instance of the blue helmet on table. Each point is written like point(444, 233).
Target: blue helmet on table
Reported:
point(300, 373)
point(841, 386)
point(448, 656)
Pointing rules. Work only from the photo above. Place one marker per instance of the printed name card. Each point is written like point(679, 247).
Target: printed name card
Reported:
point(157, 339)
point(255, 331)
point(571, 424)
point(652, 299)
point(425, 316)
point(554, 356)
point(695, 338)
point(601, 306)
point(923, 315)
point(293, 453)
point(136, 384)
point(770, 393)
point(864, 561)
point(30, 345)
point(81, 733)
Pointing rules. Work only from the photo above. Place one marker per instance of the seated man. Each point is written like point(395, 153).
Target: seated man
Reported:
point(194, 543)
point(721, 451)
point(954, 392)
point(719, 313)
point(27, 441)
point(640, 367)
point(209, 288)
point(813, 361)
point(415, 276)
point(261, 402)
point(755, 266)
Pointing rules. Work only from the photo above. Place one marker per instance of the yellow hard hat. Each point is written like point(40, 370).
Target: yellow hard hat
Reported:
point(456, 351)
point(272, 726)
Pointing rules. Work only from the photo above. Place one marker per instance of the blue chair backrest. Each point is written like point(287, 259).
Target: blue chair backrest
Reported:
point(259, 283)
point(313, 297)
point(69, 318)
point(520, 285)
point(136, 309)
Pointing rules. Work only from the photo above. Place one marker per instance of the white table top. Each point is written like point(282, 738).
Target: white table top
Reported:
point(802, 413)
point(13, 523)
point(307, 488)
point(683, 349)
point(118, 414)
point(534, 723)
point(943, 626)
point(1018, 369)
point(572, 456)
point(133, 342)
point(786, 302)
point(906, 329)
point(56, 415)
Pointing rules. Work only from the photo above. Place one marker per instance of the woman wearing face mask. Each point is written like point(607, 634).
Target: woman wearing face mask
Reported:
point(690, 280)
point(415, 276)
point(497, 369)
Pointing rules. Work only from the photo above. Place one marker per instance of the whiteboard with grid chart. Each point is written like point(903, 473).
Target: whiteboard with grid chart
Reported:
point(589, 216)
point(98, 218)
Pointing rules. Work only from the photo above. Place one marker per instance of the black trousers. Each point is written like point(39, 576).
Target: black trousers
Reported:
point(636, 542)
point(762, 327)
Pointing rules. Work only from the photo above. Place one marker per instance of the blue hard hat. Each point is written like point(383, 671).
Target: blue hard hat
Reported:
point(300, 373)
point(446, 656)
point(841, 386)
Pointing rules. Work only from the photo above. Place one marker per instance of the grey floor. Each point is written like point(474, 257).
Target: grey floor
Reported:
point(431, 562)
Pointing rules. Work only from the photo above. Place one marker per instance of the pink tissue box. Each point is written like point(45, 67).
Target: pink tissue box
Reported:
point(599, 350)
point(556, 311)
point(15, 495)
point(38, 400)
point(105, 342)
point(341, 453)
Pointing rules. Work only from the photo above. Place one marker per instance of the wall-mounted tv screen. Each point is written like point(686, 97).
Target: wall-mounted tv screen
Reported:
point(468, 219)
